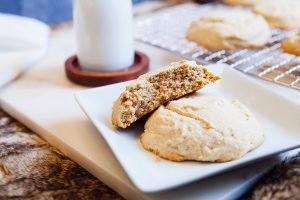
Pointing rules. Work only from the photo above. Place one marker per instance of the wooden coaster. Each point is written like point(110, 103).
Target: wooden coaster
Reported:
point(94, 79)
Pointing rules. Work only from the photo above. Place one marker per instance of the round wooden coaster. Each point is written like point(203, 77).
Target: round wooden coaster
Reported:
point(94, 79)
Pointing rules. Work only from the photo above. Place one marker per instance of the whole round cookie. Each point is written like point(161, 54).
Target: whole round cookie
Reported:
point(280, 14)
point(202, 128)
point(292, 44)
point(241, 2)
point(229, 29)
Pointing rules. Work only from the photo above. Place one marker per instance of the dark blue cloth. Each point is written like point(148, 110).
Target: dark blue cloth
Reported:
point(49, 11)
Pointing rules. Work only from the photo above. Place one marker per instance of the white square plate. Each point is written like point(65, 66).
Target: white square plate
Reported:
point(279, 118)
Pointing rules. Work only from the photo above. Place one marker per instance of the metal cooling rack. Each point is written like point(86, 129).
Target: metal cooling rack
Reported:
point(166, 29)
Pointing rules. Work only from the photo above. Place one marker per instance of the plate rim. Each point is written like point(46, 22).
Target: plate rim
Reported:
point(141, 187)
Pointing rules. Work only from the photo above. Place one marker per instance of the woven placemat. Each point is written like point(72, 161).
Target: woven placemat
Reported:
point(282, 182)
point(32, 169)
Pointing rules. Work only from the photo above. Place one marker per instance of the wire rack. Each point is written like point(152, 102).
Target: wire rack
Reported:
point(166, 29)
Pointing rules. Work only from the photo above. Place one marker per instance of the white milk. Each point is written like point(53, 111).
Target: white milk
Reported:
point(104, 34)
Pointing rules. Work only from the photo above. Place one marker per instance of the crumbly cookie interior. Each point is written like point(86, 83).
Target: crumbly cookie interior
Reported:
point(152, 91)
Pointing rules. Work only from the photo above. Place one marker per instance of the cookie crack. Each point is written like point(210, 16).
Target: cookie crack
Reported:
point(205, 123)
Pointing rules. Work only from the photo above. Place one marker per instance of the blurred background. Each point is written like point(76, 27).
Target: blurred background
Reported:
point(48, 11)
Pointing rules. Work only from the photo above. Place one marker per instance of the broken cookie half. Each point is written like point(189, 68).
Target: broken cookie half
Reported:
point(151, 90)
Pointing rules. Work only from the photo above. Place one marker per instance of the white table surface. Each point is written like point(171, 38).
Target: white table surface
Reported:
point(43, 99)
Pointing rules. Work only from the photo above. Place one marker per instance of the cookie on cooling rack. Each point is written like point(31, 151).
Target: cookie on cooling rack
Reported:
point(292, 44)
point(229, 29)
point(280, 14)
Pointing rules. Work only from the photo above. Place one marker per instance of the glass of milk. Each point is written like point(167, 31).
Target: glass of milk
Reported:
point(104, 34)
